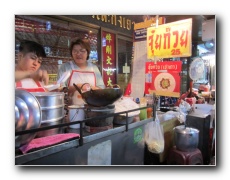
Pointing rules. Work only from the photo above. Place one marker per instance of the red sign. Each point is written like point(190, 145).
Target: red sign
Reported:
point(109, 60)
point(163, 78)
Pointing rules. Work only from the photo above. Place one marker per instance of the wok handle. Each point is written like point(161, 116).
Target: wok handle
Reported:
point(85, 84)
point(77, 88)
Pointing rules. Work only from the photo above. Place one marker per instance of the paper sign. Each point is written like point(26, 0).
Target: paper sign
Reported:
point(163, 78)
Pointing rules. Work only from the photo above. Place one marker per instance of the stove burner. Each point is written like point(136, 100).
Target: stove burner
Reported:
point(102, 123)
point(92, 129)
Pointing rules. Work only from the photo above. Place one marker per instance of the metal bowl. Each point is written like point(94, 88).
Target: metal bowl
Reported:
point(21, 114)
point(34, 120)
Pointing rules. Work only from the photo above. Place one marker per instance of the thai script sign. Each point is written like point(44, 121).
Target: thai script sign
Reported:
point(170, 40)
point(163, 78)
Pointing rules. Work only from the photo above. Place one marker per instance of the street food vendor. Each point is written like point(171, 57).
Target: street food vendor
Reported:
point(28, 76)
point(82, 71)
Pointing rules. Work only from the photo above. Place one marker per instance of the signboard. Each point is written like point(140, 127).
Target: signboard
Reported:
point(109, 60)
point(170, 40)
point(140, 34)
point(52, 78)
point(163, 78)
point(140, 29)
point(148, 23)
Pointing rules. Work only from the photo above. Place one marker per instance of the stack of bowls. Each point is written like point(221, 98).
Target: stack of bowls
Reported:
point(27, 116)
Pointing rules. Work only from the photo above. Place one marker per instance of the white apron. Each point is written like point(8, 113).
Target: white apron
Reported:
point(29, 85)
point(80, 77)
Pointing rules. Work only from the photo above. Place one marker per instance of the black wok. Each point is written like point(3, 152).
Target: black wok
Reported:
point(100, 97)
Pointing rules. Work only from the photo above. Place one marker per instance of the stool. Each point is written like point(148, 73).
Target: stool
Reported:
point(177, 157)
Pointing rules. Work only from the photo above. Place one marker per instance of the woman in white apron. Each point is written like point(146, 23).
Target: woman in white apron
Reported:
point(81, 70)
point(27, 73)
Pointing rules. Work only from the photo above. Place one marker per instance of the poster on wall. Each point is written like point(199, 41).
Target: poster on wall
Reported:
point(170, 40)
point(163, 78)
point(109, 59)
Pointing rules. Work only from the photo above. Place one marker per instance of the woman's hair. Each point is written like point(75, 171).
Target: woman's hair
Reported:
point(84, 43)
point(27, 46)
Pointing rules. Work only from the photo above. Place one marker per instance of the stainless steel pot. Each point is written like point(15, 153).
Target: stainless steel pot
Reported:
point(52, 131)
point(52, 108)
point(186, 138)
point(50, 99)
point(52, 105)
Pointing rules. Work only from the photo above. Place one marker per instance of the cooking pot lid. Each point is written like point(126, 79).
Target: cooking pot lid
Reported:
point(185, 130)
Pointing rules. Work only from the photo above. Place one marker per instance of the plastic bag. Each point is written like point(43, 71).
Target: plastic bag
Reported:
point(154, 136)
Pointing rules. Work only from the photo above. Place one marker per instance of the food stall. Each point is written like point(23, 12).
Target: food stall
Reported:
point(118, 146)
point(98, 139)
point(107, 143)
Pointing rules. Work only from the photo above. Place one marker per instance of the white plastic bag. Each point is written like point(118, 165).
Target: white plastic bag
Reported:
point(154, 136)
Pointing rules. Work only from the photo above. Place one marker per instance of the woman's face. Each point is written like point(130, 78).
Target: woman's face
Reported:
point(29, 62)
point(79, 54)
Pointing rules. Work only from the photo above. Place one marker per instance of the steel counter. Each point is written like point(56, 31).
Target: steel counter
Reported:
point(122, 145)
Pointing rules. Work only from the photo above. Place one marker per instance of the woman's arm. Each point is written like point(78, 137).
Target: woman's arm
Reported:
point(39, 75)
point(19, 75)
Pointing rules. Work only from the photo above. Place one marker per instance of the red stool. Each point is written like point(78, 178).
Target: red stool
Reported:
point(177, 157)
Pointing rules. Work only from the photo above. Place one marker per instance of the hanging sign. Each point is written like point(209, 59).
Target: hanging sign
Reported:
point(170, 40)
point(140, 29)
point(109, 60)
point(163, 78)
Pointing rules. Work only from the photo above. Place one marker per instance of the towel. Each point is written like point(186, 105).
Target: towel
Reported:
point(47, 141)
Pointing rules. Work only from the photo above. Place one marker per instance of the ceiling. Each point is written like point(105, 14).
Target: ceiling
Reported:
point(57, 37)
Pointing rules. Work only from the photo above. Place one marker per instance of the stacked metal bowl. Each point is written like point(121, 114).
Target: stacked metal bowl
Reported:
point(27, 116)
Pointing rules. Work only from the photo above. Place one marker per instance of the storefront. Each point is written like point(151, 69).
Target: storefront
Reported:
point(56, 32)
point(112, 40)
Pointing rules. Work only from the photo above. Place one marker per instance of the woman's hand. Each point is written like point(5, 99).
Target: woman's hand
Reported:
point(40, 75)
point(71, 91)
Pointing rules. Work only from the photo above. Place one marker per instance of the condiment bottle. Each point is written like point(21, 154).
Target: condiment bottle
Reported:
point(149, 112)
point(149, 99)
